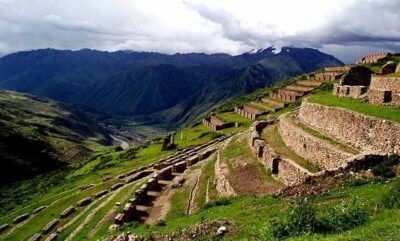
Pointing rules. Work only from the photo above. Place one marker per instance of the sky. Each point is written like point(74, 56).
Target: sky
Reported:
point(347, 29)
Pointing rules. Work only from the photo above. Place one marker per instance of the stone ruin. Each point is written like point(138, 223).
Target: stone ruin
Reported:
point(165, 171)
point(287, 95)
point(397, 69)
point(249, 112)
point(168, 142)
point(354, 83)
point(384, 90)
point(215, 123)
point(373, 143)
point(373, 58)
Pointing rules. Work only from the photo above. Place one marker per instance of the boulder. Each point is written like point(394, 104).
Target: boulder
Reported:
point(222, 230)
point(388, 68)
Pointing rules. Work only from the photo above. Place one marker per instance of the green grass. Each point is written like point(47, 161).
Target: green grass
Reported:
point(37, 222)
point(383, 112)
point(194, 135)
point(249, 213)
point(274, 140)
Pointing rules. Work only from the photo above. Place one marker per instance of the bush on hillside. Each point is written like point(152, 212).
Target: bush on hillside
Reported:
point(303, 219)
point(386, 167)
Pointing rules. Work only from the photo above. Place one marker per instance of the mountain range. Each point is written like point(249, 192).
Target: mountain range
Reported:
point(158, 88)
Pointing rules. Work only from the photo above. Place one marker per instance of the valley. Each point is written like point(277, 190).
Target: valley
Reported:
point(313, 157)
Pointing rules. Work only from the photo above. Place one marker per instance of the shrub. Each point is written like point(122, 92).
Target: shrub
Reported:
point(341, 218)
point(392, 198)
point(385, 168)
point(302, 220)
point(219, 202)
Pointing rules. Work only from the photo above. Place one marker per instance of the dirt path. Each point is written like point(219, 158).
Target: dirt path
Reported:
point(247, 175)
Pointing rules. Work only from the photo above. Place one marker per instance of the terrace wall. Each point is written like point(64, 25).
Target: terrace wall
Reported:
point(354, 129)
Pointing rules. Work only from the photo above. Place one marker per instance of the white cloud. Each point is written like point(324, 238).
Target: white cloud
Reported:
point(346, 28)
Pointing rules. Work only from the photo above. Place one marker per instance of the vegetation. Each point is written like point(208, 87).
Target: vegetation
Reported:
point(386, 167)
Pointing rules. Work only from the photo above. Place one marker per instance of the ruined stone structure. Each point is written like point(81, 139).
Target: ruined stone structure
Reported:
point(285, 170)
point(373, 58)
point(388, 68)
point(353, 91)
point(354, 83)
point(249, 112)
point(286, 95)
point(357, 75)
point(325, 76)
point(168, 142)
point(384, 90)
point(374, 138)
point(359, 131)
point(164, 172)
point(215, 123)
point(398, 68)
point(340, 69)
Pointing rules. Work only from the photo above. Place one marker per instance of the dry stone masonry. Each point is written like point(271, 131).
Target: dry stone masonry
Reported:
point(354, 83)
point(215, 123)
point(384, 90)
point(249, 111)
point(354, 129)
point(373, 58)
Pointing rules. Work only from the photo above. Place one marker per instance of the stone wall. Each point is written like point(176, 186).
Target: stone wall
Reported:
point(349, 91)
point(221, 183)
point(327, 76)
point(248, 111)
point(386, 83)
point(384, 90)
point(285, 170)
point(372, 58)
point(215, 124)
point(354, 129)
point(342, 69)
point(317, 151)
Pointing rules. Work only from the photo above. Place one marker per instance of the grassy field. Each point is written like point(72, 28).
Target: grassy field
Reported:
point(384, 112)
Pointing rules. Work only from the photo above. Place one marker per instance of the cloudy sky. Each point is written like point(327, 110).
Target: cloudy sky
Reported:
point(347, 29)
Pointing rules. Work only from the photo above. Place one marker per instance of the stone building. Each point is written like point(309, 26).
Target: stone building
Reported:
point(373, 58)
point(215, 123)
point(287, 95)
point(384, 90)
point(249, 112)
point(354, 83)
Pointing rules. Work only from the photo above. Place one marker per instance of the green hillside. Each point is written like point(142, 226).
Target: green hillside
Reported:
point(39, 135)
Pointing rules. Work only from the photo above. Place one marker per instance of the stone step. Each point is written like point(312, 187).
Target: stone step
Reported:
point(299, 88)
point(262, 106)
point(143, 208)
point(276, 103)
point(316, 148)
point(153, 193)
point(163, 182)
point(309, 83)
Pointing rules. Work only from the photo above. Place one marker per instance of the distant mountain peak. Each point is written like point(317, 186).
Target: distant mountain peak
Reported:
point(270, 49)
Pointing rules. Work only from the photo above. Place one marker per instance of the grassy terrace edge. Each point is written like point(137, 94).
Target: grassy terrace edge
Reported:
point(384, 112)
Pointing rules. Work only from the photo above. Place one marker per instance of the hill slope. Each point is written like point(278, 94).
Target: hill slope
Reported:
point(39, 135)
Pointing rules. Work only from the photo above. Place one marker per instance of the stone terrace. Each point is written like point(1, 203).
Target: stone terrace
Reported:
point(215, 123)
point(373, 58)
